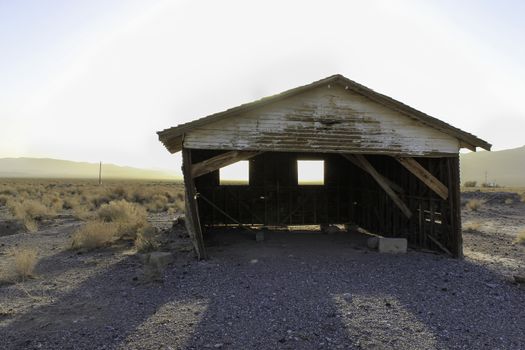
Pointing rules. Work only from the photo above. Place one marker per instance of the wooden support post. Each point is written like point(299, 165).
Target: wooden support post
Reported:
point(455, 206)
point(391, 183)
point(222, 160)
point(424, 175)
point(192, 211)
point(365, 164)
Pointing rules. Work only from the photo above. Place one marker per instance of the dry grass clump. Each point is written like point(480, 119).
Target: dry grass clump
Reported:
point(25, 260)
point(121, 210)
point(474, 204)
point(4, 199)
point(115, 220)
point(145, 241)
point(158, 203)
point(521, 237)
point(30, 201)
point(28, 212)
point(472, 226)
point(95, 234)
point(130, 216)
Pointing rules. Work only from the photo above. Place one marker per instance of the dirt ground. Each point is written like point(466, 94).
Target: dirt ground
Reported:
point(294, 290)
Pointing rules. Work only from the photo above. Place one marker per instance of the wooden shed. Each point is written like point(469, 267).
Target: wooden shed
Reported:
point(386, 167)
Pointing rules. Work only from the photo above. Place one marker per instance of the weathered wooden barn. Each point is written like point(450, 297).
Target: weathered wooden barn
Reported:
point(388, 168)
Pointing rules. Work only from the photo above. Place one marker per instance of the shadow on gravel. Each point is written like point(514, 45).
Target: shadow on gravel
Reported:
point(98, 313)
point(292, 291)
point(309, 291)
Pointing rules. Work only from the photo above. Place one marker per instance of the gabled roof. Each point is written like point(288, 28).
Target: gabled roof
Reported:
point(172, 137)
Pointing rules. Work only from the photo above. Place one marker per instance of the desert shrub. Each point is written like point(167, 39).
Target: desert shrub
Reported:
point(70, 203)
point(28, 208)
point(98, 200)
point(145, 241)
point(472, 226)
point(4, 199)
point(28, 212)
point(83, 212)
point(129, 216)
point(520, 239)
point(94, 234)
point(474, 204)
point(140, 195)
point(25, 260)
point(158, 203)
point(53, 202)
point(9, 191)
point(121, 210)
point(470, 183)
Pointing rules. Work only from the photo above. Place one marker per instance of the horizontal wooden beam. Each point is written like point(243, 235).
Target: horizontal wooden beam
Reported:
point(391, 183)
point(222, 160)
point(424, 175)
point(369, 168)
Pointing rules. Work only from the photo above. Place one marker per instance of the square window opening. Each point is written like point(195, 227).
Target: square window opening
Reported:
point(235, 174)
point(310, 172)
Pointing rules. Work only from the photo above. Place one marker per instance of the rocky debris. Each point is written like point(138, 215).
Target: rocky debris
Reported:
point(179, 220)
point(330, 229)
point(160, 259)
point(519, 279)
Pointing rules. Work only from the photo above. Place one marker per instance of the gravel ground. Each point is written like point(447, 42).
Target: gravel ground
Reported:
point(295, 290)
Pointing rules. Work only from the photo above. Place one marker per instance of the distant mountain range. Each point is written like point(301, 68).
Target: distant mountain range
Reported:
point(505, 168)
point(55, 168)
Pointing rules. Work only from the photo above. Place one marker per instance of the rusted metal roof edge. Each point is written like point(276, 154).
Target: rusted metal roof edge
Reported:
point(170, 135)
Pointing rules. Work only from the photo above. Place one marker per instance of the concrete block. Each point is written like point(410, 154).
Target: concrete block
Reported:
point(372, 242)
point(259, 236)
point(160, 259)
point(392, 245)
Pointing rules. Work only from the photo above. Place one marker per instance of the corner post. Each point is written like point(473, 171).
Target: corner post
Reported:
point(455, 206)
point(193, 224)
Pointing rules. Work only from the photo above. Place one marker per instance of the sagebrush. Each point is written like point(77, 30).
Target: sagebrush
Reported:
point(32, 202)
point(24, 262)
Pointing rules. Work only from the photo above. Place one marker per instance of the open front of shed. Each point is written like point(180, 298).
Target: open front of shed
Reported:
point(386, 167)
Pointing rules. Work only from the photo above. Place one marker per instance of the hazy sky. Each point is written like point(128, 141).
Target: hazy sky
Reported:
point(93, 80)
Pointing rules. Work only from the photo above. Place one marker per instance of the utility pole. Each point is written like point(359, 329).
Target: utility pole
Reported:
point(100, 173)
point(486, 177)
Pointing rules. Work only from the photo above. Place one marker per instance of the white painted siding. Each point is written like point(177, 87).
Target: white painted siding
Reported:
point(324, 120)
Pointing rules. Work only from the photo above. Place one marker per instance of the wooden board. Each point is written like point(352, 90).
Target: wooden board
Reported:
point(424, 175)
point(332, 120)
point(390, 183)
point(379, 179)
point(222, 160)
point(192, 212)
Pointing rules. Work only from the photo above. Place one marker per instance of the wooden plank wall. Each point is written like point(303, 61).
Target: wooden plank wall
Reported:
point(326, 119)
point(349, 195)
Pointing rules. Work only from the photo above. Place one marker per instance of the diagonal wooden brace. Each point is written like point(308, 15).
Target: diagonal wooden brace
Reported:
point(391, 183)
point(424, 175)
point(222, 160)
point(369, 168)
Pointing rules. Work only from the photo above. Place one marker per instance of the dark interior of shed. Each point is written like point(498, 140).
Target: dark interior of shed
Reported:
point(274, 197)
